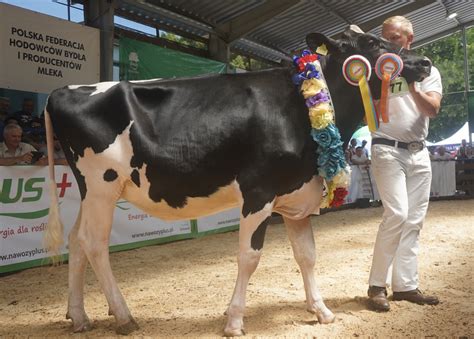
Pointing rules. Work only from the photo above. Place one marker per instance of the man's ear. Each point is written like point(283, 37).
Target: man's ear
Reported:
point(317, 40)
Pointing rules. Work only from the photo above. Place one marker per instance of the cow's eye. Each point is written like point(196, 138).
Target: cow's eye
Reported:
point(372, 43)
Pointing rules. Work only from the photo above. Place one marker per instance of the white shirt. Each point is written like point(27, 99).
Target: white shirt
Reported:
point(445, 156)
point(23, 148)
point(406, 122)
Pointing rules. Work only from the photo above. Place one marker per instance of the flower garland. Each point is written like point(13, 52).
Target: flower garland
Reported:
point(331, 162)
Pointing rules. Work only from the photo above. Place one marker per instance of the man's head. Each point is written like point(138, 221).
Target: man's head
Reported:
point(441, 150)
point(398, 30)
point(464, 142)
point(12, 135)
point(364, 142)
point(359, 151)
point(353, 142)
point(4, 105)
point(28, 105)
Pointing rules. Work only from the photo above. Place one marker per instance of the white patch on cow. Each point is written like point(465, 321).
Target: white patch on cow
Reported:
point(302, 202)
point(100, 87)
point(116, 157)
point(145, 80)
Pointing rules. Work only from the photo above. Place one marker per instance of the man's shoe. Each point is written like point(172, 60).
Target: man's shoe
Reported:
point(378, 299)
point(416, 296)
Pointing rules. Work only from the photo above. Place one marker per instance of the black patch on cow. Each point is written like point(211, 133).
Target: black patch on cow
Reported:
point(110, 175)
point(258, 235)
point(135, 176)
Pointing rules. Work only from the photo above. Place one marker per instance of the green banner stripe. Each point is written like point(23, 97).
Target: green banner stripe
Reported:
point(27, 215)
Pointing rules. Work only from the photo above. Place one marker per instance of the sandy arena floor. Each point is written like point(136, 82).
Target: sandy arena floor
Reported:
point(182, 289)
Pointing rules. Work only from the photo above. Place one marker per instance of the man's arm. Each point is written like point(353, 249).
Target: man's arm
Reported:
point(429, 103)
point(16, 160)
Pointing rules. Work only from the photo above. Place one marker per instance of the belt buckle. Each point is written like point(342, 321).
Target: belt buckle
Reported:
point(415, 146)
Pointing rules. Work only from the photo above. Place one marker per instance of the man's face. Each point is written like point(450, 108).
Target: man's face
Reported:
point(13, 138)
point(4, 105)
point(395, 33)
point(28, 106)
point(359, 152)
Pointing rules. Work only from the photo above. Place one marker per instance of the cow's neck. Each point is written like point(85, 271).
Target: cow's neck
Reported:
point(346, 99)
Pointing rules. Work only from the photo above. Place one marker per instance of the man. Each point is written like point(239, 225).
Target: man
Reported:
point(15, 152)
point(402, 170)
point(442, 154)
point(360, 158)
point(25, 116)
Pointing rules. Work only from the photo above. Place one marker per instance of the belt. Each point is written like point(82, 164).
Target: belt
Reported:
point(414, 146)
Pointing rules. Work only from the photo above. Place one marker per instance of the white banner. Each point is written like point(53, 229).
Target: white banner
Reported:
point(40, 53)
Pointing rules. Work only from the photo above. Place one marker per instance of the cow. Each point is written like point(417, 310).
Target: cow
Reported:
point(185, 148)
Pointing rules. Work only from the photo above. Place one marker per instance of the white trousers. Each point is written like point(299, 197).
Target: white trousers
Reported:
point(403, 181)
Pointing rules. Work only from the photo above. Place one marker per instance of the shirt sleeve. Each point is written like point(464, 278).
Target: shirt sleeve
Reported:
point(433, 82)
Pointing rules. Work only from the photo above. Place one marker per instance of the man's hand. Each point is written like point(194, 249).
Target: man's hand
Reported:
point(26, 158)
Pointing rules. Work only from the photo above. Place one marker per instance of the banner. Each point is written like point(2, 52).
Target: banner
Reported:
point(40, 53)
point(24, 207)
point(141, 60)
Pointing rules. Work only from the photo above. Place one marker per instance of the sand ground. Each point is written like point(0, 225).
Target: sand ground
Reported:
point(182, 288)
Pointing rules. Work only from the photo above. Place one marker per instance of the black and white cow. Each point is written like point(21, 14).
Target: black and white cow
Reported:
point(185, 148)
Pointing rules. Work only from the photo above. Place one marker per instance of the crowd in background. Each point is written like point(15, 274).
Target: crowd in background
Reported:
point(23, 137)
point(359, 155)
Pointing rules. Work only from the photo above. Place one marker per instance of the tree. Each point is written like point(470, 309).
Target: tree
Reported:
point(447, 55)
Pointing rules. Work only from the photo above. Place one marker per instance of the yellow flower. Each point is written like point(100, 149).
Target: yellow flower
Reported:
point(312, 87)
point(343, 178)
point(320, 115)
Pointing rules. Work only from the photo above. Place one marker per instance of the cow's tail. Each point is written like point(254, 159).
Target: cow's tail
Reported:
point(53, 236)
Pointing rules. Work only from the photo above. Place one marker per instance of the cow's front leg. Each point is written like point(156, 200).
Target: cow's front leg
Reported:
point(77, 266)
point(302, 242)
point(251, 236)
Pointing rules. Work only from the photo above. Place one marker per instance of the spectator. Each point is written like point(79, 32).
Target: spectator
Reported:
point(4, 112)
point(15, 152)
point(360, 158)
point(464, 151)
point(25, 116)
point(4, 108)
point(350, 151)
point(364, 149)
point(442, 154)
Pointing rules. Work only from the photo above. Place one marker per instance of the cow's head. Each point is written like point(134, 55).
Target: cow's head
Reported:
point(354, 41)
point(346, 98)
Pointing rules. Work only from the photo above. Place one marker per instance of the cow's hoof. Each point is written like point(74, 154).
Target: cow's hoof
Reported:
point(326, 318)
point(234, 332)
point(80, 325)
point(127, 328)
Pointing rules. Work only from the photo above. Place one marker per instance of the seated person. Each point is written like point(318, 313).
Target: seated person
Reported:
point(360, 158)
point(59, 157)
point(15, 152)
point(442, 154)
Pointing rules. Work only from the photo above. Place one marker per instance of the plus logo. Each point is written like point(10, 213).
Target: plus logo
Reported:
point(63, 185)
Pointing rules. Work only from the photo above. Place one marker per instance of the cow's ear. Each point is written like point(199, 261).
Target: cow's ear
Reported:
point(316, 41)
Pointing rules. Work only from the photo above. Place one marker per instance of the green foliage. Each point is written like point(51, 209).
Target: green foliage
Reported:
point(181, 40)
point(447, 55)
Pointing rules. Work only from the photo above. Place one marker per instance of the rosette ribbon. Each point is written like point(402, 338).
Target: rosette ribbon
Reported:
point(357, 71)
point(387, 68)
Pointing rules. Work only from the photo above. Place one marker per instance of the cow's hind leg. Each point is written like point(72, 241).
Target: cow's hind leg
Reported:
point(302, 242)
point(93, 235)
point(77, 267)
point(251, 235)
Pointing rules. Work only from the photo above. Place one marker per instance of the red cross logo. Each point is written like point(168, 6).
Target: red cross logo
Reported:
point(63, 185)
